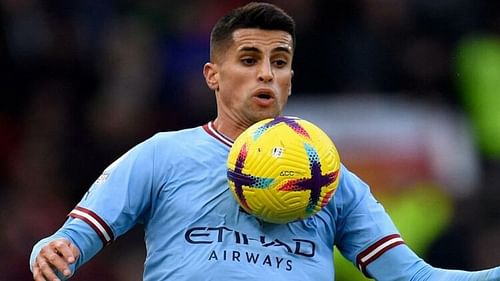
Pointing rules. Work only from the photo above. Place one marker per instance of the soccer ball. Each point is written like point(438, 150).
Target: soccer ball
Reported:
point(283, 169)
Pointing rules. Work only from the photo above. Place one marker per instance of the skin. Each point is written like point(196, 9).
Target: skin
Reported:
point(56, 254)
point(252, 81)
point(258, 62)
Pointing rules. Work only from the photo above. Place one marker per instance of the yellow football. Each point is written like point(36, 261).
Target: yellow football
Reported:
point(283, 169)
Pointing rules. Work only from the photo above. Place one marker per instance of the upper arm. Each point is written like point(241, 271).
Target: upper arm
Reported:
point(364, 229)
point(121, 195)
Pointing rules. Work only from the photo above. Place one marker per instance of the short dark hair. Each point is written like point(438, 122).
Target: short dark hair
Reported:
point(253, 15)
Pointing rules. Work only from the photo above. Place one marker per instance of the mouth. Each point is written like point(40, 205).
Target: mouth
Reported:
point(264, 93)
point(265, 96)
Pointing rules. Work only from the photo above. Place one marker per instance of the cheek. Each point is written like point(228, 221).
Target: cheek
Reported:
point(230, 80)
point(286, 86)
point(234, 83)
point(231, 89)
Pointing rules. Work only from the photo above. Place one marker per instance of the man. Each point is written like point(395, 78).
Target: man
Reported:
point(175, 184)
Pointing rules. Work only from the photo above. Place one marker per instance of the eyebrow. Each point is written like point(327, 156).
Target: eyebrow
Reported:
point(254, 49)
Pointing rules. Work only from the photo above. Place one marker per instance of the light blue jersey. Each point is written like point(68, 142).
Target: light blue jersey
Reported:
point(175, 185)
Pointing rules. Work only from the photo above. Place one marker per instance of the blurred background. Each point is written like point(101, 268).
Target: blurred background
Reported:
point(409, 90)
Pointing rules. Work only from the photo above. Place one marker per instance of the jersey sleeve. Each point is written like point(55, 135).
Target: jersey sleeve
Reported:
point(118, 200)
point(364, 229)
point(367, 237)
point(401, 263)
point(121, 195)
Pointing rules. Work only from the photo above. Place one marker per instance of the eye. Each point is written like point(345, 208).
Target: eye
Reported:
point(280, 63)
point(248, 61)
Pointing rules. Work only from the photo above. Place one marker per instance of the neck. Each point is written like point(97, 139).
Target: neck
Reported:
point(228, 128)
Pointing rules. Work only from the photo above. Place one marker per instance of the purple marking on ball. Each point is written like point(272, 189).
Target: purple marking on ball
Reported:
point(290, 122)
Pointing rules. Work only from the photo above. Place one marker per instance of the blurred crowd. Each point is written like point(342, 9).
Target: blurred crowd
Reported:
point(83, 81)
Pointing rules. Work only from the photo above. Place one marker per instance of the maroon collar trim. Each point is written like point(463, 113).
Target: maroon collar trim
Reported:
point(210, 129)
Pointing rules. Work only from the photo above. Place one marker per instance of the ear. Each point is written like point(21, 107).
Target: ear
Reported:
point(210, 72)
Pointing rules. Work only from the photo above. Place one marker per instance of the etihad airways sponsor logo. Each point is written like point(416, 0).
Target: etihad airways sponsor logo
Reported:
point(232, 238)
point(251, 258)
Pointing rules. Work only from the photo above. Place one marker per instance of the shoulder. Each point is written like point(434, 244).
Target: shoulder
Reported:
point(177, 135)
point(171, 140)
point(351, 187)
point(174, 147)
point(177, 138)
point(162, 144)
point(352, 193)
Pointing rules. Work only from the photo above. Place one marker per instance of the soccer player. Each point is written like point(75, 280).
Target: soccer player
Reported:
point(175, 185)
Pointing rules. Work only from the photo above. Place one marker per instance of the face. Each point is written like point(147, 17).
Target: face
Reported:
point(252, 79)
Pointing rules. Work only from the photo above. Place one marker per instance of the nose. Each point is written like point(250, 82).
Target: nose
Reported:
point(266, 72)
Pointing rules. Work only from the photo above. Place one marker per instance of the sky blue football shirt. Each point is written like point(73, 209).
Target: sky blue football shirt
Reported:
point(175, 185)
